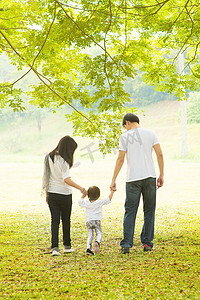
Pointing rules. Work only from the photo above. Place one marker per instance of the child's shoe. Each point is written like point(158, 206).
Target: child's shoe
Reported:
point(89, 252)
point(96, 247)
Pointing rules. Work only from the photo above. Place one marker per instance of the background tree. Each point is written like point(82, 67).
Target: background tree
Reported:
point(53, 39)
point(193, 107)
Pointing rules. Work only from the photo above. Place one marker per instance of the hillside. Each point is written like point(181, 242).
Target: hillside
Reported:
point(21, 140)
point(164, 119)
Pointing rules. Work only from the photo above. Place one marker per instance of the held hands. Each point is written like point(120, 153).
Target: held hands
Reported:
point(160, 182)
point(113, 186)
point(84, 192)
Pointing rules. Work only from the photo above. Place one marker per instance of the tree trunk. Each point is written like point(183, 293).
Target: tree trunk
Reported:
point(184, 144)
point(39, 121)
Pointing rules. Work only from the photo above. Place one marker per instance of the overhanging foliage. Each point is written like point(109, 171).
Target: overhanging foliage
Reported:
point(53, 39)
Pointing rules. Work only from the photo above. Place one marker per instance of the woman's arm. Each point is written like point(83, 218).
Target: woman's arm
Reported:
point(70, 182)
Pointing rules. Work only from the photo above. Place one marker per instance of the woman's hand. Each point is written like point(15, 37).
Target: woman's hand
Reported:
point(84, 192)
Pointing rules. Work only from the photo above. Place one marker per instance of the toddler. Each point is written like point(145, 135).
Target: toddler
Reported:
point(94, 213)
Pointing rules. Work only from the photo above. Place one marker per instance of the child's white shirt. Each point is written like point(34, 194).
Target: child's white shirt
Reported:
point(93, 210)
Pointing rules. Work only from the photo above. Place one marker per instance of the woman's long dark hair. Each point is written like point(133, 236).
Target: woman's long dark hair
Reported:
point(65, 149)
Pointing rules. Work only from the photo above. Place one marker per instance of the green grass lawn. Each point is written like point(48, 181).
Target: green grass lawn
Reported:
point(28, 271)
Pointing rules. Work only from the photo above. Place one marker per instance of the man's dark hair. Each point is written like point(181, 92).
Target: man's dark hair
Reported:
point(93, 192)
point(131, 118)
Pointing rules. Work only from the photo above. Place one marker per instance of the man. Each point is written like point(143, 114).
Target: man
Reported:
point(137, 144)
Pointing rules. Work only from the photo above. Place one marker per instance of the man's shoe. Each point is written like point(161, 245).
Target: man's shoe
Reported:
point(68, 249)
point(124, 250)
point(96, 247)
point(147, 248)
point(89, 252)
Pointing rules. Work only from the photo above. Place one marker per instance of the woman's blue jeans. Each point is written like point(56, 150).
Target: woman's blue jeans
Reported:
point(60, 207)
point(134, 189)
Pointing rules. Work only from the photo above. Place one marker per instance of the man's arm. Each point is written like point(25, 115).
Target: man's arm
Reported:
point(118, 166)
point(160, 159)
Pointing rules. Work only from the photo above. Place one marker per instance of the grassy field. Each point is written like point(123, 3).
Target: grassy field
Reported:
point(27, 269)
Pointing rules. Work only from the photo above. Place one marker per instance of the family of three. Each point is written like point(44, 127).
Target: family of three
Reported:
point(137, 144)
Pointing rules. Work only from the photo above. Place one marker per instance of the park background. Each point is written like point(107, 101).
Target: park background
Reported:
point(98, 57)
point(29, 271)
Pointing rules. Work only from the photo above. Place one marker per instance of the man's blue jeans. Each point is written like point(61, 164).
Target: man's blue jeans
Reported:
point(134, 189)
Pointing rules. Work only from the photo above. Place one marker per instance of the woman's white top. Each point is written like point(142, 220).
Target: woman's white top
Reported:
point(59, 171)
point(93, 210)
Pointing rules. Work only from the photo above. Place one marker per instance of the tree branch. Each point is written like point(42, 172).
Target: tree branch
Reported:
point(88, 10)
point(125, 29)
point(90, 37)
point(38, 75)
point(176, 18)
point(12, 84)
point(194, 56)
point(7, 19)
point(14, 28)
point(149, 6)
point(154, 13)
point(54, 16)
point(105, 52)
point(92, 11)
point(191, 32)
point(160, 4)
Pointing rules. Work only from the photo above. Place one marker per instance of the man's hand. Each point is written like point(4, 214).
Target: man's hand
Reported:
point(160, 181)
point(118, 166)
point(160, 159)
point(113, 186)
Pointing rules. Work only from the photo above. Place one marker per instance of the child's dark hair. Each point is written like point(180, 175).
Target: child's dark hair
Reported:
point(131, 118)
point(93, 192)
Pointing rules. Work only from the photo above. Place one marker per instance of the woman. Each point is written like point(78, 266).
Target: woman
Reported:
point(58, 186)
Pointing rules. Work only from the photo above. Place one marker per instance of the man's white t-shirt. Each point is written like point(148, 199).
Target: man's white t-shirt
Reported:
point(138, 144)
point(59, 171)
point(93, 210)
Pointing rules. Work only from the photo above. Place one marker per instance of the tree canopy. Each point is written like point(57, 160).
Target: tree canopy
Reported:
point(83, 51)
